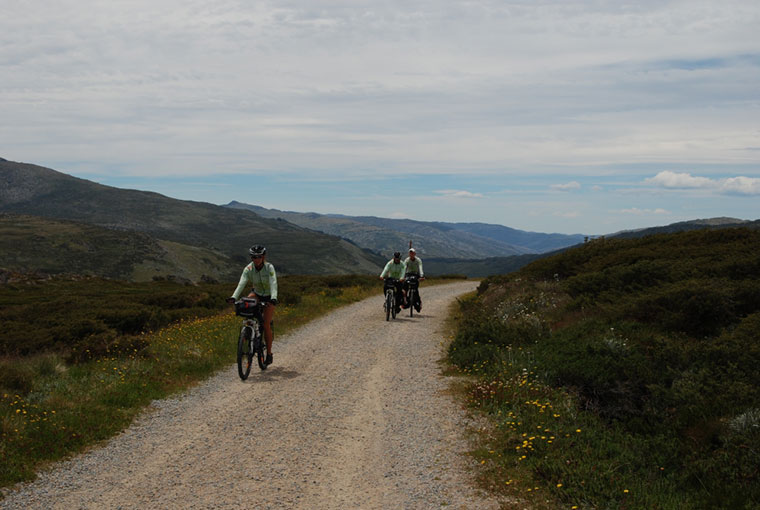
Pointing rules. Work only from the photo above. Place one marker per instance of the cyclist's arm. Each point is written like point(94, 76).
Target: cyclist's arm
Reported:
point(272, 282)
point(242, 283)
point(386, 270)
point(419, 264)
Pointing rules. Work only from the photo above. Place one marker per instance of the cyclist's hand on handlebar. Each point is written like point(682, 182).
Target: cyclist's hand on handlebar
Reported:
point(422, 278)
point(273, 301)
point(231, 300)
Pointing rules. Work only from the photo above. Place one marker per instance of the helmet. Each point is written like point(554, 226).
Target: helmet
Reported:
point(412, 250)
point(397, 255)
point(257, 249)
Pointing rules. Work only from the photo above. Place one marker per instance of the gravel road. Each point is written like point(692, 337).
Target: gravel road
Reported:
point(353, 414)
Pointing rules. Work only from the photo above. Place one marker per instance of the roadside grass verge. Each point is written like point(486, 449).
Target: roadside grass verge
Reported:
point(620, 375)
point(59, 400)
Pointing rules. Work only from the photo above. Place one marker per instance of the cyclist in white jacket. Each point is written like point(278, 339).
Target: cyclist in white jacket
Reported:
point(263, 279)
point(413, 267)
point(396, 270)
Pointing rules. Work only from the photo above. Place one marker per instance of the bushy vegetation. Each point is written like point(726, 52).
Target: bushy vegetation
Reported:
point(81, 358)
point(623, 373)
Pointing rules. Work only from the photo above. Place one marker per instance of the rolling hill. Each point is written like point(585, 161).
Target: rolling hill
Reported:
point(221, 234)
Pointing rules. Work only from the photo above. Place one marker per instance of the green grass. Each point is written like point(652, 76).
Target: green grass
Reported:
point(628, 380)
point(61, 394)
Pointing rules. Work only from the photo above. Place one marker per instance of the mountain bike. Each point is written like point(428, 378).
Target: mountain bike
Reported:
point(251, 340)
point(389, 304)
point(412, 281)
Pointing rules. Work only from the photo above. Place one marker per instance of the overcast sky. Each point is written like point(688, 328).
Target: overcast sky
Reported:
point(544, 115)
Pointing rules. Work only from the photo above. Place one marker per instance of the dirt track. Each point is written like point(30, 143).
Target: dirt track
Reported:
point(352, 414)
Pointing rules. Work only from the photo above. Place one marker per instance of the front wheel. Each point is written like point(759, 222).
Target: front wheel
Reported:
point(388, 305)
point(410, 302)
point(260, 347)
point(244, 353)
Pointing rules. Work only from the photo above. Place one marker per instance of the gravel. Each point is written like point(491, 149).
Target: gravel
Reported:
point(354, 413)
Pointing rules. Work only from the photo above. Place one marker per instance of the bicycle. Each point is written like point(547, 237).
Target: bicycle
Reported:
point(251, 340)
point(413, 293)
point(389, 304)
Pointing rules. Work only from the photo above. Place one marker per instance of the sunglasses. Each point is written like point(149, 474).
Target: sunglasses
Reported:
point(254, 257)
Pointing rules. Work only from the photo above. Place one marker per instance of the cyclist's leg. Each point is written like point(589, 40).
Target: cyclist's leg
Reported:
point(268, 315)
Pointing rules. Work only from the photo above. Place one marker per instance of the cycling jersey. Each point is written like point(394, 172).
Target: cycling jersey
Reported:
point(393, 270)
point(264, 281)
point(414, 266)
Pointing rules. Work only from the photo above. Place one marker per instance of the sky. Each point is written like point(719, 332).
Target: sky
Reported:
point(562, 116)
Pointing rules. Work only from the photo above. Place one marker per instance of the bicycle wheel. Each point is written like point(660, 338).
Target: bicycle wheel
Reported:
point(388, 304)
point(409, 301)
point(260, 347)
point(393, 304)
point(244, 353)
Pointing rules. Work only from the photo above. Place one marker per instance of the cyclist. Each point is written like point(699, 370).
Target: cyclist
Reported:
point(263, 279)
point(413, 267)
point(395, 268)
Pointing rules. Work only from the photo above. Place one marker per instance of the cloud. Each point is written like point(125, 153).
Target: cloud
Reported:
point(741, 185)
point(668, 179)
point(453, 193)
point(641, 212)
point(731, 185)
point(572, 185)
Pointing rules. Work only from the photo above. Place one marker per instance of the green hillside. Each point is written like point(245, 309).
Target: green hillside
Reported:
point(32, 190)
point(624, 373)
point(50, 246)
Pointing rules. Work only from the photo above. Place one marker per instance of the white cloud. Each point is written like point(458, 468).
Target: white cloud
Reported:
point(572, 185)
point(741, 185)
point(668, 179)
point(641, 212)
point(730, 185)
point(453, 193)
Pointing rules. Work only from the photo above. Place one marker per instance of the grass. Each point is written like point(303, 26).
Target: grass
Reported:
point(621, 375)
point(53, 404)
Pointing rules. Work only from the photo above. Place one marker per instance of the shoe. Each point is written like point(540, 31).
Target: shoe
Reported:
point(268, 361)
point(418, 308)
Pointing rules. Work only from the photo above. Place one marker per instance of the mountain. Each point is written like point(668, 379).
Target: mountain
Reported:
point(432, 239)
point(683, 226)
point(220, 236)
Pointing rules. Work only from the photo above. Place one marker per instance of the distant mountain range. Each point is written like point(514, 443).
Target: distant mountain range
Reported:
point(54, 223)
point(433, 239)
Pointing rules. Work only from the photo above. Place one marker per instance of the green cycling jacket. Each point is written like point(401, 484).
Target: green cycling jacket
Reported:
point(393, 270)
point(263, 281)
point(414, 266)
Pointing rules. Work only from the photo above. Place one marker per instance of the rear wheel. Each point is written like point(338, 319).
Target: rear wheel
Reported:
point(244, 352)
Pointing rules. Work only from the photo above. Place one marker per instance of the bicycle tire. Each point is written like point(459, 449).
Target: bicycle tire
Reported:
point(244, 353)
point(260, 347)
point(388, 304)
point(393, 305)
point(410, 301)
